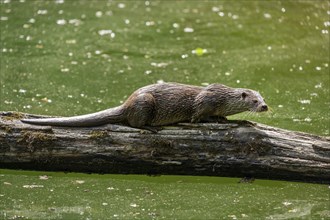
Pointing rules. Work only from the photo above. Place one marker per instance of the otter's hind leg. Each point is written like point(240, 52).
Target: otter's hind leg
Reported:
point(141, 110)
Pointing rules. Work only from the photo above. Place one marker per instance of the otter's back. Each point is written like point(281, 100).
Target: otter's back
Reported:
point(173, 102)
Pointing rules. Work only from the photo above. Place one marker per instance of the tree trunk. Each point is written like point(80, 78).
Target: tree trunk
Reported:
point(235, 148)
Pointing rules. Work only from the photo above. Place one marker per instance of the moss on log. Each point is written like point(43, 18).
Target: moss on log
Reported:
point(236, 149)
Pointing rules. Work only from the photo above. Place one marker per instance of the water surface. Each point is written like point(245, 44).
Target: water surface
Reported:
point(75, 57)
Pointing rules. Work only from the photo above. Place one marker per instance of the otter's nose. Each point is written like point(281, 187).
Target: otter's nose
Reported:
point(264, 107)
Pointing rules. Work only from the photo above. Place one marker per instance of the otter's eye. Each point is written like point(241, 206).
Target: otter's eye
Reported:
point(255, 101)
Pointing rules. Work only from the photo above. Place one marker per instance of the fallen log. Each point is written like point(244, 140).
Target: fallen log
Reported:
point(236, 149)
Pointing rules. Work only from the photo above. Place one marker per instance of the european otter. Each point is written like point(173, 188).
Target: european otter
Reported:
point(168, 103)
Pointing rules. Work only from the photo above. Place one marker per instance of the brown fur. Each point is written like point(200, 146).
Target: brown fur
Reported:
point(169, 103)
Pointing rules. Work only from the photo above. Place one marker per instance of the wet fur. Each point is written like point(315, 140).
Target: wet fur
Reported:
point(168, 103)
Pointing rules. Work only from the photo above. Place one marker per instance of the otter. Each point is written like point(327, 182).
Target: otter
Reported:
point(168, 103)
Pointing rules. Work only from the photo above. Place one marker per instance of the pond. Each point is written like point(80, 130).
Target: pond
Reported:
point(75, 57)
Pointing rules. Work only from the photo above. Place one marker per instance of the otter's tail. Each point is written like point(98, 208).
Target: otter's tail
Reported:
point(112, 115)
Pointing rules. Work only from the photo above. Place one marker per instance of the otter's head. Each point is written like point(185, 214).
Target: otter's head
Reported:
point(253, 101)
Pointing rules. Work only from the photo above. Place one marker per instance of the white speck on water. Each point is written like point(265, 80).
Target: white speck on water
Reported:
point(307, 119)
point(235, 17)
point(175, 25)
point(305, 101)
point(301, 68)
point(115, 215)
point(232, 217)
point(26, 25)
point(127, 21)
point(227, 73)
point(318, 68)
point(215, 9)
point(307, 61)
point(134, 205)
point(107, 32)
point(80, 181)
point(65, 70)
point(8, 102)
point(33, 186)
point(325, 31)
point(160, 81)
point(314, 94)
point(75, 22)
point(46, 100)
point(221, 14)
point(283, 10)
point(70, 54)
point(42, 12)
point(150, 23)
point(267, 16)
point(188, 30)
point(32, 20)
point(158, 64)
point(287, 203)
point(104, 203)
point(97, 52)
point(269, 47)
point(71, 41)
point(147, 72)
point(59, 1)
point(326, 23)
point(280, 106)
point(184, 56)
point(146, 3)
point(3, 18)
point(121, 5)
point(318, 86)
point(22, 90)
point(70, 96)
point(99, 14)
point(61, 22)
point(238, 81)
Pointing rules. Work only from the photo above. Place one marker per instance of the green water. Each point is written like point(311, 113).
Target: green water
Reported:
point(75, 57)
point(42, 195)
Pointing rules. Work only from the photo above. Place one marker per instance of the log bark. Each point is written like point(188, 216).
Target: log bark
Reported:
point(236, 149)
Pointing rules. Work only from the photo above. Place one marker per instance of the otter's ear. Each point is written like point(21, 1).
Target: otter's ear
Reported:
point(244, 95)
